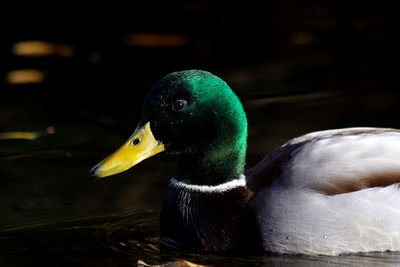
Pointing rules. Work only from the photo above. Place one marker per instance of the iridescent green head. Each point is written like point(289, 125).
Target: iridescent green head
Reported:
point(195, 116)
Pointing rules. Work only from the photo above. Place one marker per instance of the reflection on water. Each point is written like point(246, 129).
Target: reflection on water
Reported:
point(156, 40)
point(24, 76)
point(27, 135)
point(82, 240)
point(42, 49)
point(131, 237)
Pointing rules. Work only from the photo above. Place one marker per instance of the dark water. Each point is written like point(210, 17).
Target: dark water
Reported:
point(52, 214)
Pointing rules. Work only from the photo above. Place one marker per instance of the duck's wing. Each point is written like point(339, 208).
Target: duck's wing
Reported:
point(332, 162)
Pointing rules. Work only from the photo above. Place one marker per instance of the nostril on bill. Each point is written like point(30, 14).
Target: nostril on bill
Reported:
point(136, 141)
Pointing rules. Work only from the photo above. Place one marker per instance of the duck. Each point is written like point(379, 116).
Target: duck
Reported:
point(330, 192)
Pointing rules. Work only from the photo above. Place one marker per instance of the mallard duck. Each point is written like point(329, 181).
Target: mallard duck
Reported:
point(329, 192)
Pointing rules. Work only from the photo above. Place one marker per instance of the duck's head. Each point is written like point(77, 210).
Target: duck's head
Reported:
point(195, 116)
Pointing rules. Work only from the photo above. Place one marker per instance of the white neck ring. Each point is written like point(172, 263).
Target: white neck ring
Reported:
point(241, 181)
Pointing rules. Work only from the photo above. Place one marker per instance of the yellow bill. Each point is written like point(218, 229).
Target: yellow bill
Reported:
point(141, 145)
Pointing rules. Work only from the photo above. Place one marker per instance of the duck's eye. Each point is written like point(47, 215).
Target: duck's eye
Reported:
point(179, 105)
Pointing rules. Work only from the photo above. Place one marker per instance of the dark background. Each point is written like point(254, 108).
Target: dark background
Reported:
point(261, 49)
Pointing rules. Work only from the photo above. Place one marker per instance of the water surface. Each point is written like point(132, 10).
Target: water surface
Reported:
point(53, 214)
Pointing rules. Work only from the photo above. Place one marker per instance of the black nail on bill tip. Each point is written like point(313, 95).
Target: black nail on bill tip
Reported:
point(92, 172)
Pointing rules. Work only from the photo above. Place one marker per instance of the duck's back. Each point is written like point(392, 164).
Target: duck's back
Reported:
point(330, 192)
